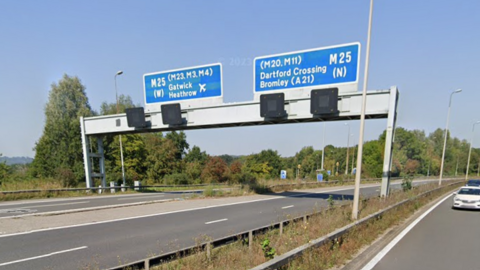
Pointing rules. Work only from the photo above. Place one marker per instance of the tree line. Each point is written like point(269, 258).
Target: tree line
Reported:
point(167, 158)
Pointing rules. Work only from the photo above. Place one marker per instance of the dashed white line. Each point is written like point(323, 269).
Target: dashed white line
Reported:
point(215, 221)
point(42, 256)
point(285, 207)
point(144, 197)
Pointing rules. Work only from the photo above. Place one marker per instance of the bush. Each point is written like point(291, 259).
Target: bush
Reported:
point(407, 183)
point(176, 179)
point(243, 177)
point(66, 177)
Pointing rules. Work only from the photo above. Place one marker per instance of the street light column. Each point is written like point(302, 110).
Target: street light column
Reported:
point(445, 135)
point(348, 148)
point(120, 136)
point(323, 145)
point(470, 150)
point(356, 192)
point(353, 155)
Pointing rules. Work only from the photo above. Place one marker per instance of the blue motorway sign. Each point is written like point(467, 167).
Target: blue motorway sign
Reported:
point(283, 174)
point(183, 84)
point(321, 66)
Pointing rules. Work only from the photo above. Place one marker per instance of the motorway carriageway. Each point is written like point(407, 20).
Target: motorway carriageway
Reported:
point(113, 242)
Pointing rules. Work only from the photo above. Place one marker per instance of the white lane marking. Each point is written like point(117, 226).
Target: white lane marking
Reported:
point(144, 197)
point(215, 221)
point(174, 212)
point(285, 207)
point(58, 204)
point(43, 256)
point(399, 237)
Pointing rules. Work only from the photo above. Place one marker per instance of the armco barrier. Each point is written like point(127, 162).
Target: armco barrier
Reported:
point(312, 183)
point(103, 188)
point(272, 264)
point(158, 186)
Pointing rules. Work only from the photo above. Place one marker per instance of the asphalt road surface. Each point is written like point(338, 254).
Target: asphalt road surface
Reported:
point(444, 239)
point(120, 241)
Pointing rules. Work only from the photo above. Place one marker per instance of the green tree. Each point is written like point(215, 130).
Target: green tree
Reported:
point(161, 157)
point(60, 146)
point(228, 158)
point(266, 164)
point(373, 159)
point(195, 154)
point(195, 161)
point(194, 170)
point(134, 156)
point(134, 152)
point(124, 102)
point(215, 170)
point(4, 171)
point(180, 141)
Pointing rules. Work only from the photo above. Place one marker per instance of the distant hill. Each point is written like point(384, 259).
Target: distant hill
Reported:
point(16, 160)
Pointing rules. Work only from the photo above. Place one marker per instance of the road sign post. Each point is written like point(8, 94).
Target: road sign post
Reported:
point(300, 72)
point(192, 87)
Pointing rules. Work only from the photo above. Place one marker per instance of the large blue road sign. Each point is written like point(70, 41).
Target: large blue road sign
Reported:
point(183, 84)
point(316, 67)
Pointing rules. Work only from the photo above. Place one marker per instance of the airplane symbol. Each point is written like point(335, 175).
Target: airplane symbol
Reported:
point(202, 87)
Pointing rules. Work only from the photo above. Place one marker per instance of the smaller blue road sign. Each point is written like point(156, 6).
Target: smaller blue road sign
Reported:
point(183, 84)
point(283, 174)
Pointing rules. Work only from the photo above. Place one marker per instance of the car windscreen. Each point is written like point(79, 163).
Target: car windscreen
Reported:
point(473, 183)
point(469, 191)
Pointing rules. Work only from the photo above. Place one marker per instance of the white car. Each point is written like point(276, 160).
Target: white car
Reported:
point(467, 197)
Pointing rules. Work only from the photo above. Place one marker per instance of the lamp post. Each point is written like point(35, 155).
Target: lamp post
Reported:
point(348, 147)
point(323, 150)
point(456, 167)
point(470, 150)
point(120, 136)
point(428, 170)
point(353, 156)
point(356, 193)
point(445, 135)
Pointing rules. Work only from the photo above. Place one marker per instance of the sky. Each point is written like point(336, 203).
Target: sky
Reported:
point(426, 48)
